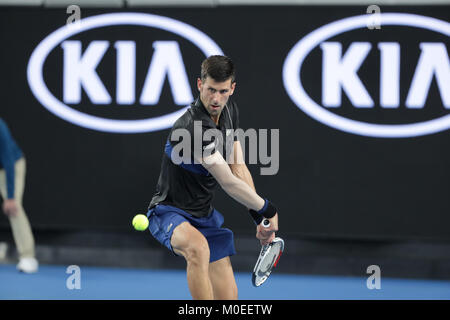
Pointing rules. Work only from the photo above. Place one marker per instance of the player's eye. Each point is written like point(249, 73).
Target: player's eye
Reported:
point(212, 90)
point(223, 91)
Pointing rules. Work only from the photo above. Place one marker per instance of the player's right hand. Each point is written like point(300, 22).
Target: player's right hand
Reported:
point(266, 235)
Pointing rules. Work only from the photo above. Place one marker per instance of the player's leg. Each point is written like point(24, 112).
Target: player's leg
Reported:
point(188, 242)
point(221, 247)
point(222, 280)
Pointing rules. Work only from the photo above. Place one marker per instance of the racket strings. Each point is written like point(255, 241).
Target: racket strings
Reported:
point(268, 258)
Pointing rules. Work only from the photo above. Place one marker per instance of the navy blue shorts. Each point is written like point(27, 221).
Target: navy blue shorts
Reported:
point(163, 219)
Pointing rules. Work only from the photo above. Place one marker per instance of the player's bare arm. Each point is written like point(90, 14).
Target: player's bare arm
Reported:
point(240, 170)
point(241, 192)
point(238, 166)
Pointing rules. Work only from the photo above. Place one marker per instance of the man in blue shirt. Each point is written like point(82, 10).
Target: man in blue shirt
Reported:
point(12, 184)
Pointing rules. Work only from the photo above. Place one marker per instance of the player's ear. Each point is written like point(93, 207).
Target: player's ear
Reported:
point(233, 85)
point(199, 84)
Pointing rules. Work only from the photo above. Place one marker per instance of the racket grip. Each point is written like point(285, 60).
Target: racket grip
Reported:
point(265, 223)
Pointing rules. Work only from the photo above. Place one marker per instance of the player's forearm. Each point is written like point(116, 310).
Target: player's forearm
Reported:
point(243, 193)
point(233, 186)
point(241, 171)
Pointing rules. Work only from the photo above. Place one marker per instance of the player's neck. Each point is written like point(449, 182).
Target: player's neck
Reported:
point(216, 119)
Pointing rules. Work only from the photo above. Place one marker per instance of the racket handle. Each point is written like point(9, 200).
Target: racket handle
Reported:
point(265, 223)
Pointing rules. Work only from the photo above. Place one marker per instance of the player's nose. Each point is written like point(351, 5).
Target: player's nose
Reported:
point(216, 97)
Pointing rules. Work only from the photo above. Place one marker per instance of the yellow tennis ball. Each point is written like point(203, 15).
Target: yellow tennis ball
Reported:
point(140, 222)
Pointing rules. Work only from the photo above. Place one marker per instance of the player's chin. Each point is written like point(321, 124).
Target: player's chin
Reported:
point(215, 110)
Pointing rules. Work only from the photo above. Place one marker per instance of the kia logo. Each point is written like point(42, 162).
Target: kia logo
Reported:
point(79, 71)
point(339, 76)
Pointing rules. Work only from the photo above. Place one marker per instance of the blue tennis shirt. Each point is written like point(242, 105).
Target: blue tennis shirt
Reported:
point(9, 154)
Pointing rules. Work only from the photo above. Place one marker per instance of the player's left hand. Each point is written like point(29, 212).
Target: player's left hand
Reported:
point(266, 235)
point(10, 207)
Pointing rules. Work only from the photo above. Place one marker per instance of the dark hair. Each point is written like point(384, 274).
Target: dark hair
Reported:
point(219, 68)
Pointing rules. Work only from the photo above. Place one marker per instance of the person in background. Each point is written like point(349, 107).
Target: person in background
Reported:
point(12, 185)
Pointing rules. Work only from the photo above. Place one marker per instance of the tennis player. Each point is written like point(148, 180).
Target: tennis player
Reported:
point(181, 214)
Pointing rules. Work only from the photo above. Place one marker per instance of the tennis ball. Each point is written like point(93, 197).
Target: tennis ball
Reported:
point(140, 222)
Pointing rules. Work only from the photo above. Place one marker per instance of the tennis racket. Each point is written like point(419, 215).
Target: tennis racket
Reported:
point(268, 259)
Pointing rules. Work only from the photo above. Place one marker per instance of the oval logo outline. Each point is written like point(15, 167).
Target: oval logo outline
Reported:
point(298, 53)
point(52, 104)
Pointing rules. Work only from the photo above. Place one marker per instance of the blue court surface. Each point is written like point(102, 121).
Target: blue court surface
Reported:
point(98, 283)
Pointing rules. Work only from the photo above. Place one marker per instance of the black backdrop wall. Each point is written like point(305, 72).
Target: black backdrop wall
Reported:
point(329, 183)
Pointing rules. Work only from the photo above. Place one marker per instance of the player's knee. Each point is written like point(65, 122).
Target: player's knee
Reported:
point(191, 244)
point(197, 252)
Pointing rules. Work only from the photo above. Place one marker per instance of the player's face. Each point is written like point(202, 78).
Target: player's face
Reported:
point(214, 95)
